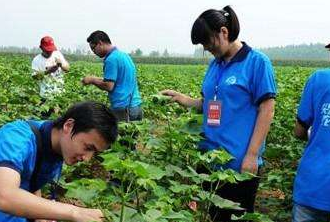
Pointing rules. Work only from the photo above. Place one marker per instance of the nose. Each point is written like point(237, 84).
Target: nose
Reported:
point(87, 157)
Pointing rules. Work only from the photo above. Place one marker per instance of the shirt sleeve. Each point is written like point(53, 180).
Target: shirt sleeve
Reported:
point(305, 109)
point(14, 148)
point(35, 67)
point(110, 70)
point(263, 83)
point(61, 59)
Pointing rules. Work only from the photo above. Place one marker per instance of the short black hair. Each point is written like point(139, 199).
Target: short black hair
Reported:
point(97, 36)
point(88, 116)
point(211, 21)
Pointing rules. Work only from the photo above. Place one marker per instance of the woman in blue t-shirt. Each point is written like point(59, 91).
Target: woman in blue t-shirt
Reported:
point(237, 102)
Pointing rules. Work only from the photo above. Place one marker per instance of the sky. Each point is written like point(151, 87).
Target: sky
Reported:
point(159, 24)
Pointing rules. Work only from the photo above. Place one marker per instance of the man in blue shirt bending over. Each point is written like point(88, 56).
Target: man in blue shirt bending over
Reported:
point(119, 78)
point(311, 192)
point(32, 154)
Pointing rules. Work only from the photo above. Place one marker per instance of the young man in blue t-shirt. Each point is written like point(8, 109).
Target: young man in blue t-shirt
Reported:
point(32, 154)
point(311, 192)
point(119, 78)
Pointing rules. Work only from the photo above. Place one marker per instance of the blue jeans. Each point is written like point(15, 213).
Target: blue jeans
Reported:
point(302, 213)
point(130, 114)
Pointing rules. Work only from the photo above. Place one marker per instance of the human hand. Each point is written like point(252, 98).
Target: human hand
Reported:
point(250, 164)
point(87, 80)
point(175, 96)
point(87, 215)
point(51, 69)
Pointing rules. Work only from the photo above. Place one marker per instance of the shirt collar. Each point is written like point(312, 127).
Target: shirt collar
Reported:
point(240, 55)
point(109, 53)
point(46, 134)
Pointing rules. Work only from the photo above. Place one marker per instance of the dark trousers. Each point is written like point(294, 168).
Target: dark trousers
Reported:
point(128, 114)
point(243, 192)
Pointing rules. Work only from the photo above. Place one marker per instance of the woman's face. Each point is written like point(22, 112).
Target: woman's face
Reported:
point(219, 44)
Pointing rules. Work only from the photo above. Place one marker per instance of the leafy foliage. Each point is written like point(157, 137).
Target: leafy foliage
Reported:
point(150, 172)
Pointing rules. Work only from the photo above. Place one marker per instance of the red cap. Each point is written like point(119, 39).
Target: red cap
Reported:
point(47, 44)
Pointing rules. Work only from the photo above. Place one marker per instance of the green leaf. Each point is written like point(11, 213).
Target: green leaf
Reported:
point(85, 189)
point(224, 203)
point(154, 172)
point(257, 217)
point(111, 161)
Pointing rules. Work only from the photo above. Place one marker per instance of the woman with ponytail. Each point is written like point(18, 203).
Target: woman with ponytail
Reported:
point(237, 102)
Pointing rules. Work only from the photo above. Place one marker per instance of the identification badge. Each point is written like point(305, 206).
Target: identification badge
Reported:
point(214, 113)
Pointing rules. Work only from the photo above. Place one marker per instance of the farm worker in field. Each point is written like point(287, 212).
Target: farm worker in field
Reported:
point(119, 78)
point(311, 191)
point(48, 69)
point(32, 154)
point(237, 102)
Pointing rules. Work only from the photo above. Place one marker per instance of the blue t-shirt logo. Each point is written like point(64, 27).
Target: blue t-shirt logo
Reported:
point(231, 80)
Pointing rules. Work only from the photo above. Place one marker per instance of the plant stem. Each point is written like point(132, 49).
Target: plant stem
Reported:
point(122, 212)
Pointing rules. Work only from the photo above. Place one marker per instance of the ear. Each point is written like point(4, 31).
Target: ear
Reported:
point(100, 42)
point(224, 32)
point(68, 126)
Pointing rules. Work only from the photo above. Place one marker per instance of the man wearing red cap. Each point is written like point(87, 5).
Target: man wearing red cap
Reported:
point(47, 68)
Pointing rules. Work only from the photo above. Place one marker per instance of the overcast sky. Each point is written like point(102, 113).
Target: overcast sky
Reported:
point(159, 24)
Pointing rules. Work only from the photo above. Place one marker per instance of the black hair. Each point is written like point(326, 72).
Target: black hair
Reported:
point(88, 116)
point(97, 36)
point(211, 21)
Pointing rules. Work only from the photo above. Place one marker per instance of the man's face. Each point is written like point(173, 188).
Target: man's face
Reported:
point(97, 48)
point(45, 53)
point(82, 146)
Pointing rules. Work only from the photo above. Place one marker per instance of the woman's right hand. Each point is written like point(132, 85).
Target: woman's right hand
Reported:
point(87, 215)
point(183, 99)
point(176, 96)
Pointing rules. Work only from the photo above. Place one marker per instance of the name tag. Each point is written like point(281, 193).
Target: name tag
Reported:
point(214, 113)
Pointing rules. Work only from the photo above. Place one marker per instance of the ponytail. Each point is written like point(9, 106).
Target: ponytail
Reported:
point(232, 23)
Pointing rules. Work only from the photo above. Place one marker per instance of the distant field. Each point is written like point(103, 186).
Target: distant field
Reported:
point(186, 60)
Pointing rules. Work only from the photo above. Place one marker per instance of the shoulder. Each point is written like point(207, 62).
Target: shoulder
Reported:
point(321, 73)
point(212, 62)
point(17, 129)
point(258, 56)
point(36, 58)
point(321, 77)
point(120, 55)
point(57, 54)
point(113, 58)
point(16, 136)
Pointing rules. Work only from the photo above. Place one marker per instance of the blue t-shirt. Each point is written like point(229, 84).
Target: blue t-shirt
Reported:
point(120, 69)
point(18, 150)
point(312, 182)
point(243, 83)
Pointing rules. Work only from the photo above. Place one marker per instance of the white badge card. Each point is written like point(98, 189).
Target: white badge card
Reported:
point(214, 113)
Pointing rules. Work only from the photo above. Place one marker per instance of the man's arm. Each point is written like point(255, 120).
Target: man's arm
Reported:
point(62, 63)
point(98, 82)
point(65, 67)
point(264, 119)
point(19, 202)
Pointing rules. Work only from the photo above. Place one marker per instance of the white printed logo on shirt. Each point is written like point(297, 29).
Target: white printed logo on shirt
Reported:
point(231, 80)
point(325, 112)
